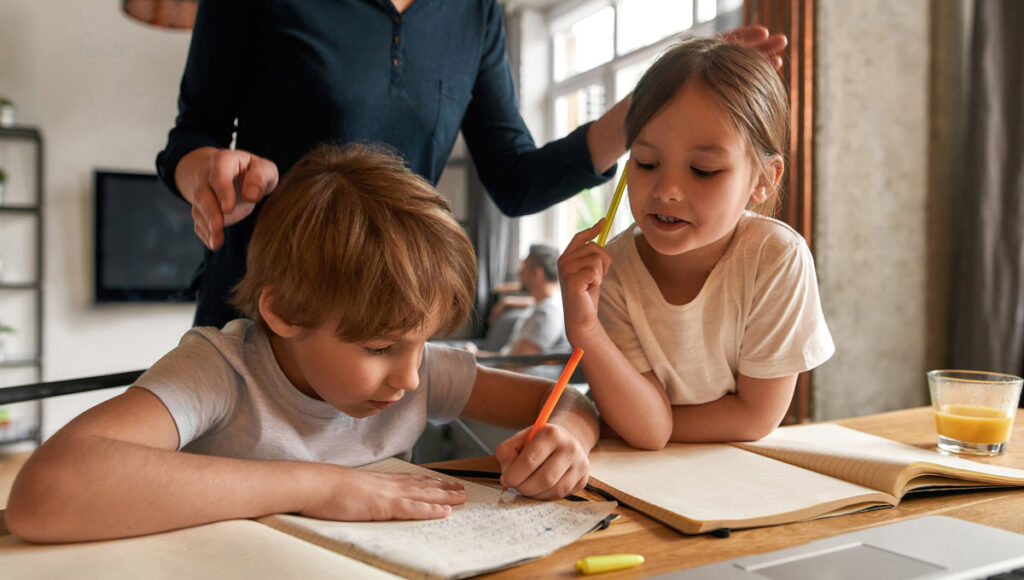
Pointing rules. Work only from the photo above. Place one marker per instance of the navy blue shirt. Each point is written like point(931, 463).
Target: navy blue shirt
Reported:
point(296, 73)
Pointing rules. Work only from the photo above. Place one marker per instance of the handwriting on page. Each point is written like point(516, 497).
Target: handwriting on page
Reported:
point(484, 534)
point(476, 537)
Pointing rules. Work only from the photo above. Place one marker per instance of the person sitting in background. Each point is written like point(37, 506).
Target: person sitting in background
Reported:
point(541, 329)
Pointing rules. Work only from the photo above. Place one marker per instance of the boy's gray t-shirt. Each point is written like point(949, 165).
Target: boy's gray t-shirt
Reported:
point(228, 397)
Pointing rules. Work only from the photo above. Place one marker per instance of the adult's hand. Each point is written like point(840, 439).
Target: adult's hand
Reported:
point(223, 186)
point(760, 39)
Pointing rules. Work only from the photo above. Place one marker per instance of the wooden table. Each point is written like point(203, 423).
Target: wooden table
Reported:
point(665, 549)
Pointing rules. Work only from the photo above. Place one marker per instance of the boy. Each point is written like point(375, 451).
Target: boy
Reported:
point(354, 264)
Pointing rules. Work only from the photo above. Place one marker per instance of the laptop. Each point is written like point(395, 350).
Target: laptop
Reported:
point(928, 547)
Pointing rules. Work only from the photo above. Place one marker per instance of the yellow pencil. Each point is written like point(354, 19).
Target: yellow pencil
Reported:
point(603, 237)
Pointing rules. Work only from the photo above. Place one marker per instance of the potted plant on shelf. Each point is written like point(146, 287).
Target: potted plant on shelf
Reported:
point(6, 112)
point(3, 181)
point(4, 329)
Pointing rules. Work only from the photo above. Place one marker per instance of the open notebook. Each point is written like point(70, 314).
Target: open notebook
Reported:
point(796, 473)
point(484, 534)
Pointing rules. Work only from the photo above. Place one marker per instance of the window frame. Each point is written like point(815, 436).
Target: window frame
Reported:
point(548, 225)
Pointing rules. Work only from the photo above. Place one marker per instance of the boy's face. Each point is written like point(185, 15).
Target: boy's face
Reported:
point(358, 379)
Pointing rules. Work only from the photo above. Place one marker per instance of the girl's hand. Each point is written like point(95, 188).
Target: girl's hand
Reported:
point(347, 494)
point(552, 466)
point(581, 268)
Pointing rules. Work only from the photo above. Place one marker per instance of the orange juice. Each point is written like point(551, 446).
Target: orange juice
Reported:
point(973, 424)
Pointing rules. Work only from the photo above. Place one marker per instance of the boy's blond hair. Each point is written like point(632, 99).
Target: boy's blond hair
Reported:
point(746, 85)
point(352, 233)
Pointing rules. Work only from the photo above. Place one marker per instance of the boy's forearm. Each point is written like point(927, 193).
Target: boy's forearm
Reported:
point(100, 488)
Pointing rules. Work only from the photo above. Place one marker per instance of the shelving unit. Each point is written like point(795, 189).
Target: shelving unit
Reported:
point(21, 278)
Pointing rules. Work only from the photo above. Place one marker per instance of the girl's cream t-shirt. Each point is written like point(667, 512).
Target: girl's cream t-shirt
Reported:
point(758, 314)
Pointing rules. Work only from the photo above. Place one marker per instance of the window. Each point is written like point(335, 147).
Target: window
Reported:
point(597, 51)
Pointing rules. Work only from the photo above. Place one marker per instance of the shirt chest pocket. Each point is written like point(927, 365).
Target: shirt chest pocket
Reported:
point(452, 101)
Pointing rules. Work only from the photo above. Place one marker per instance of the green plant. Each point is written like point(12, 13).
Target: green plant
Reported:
point(4, 101)
point(3, 176)
point(5, 328)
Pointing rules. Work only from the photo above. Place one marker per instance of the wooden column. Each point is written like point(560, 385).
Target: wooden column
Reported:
point(795, 19)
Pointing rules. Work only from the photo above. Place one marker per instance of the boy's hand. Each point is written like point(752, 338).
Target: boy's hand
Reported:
point(581, 268)
point(552, 466)
point(347, 494)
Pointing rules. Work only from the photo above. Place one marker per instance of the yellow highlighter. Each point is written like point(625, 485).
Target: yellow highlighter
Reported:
point(598, 564)
point(616, 198)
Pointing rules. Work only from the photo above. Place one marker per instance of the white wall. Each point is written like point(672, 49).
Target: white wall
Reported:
point(102, 89)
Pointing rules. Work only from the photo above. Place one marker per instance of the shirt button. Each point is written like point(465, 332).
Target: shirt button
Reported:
point(398, 39)
point(397, 62)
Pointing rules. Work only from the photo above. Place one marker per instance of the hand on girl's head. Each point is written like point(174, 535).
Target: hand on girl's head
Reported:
point(760, 39)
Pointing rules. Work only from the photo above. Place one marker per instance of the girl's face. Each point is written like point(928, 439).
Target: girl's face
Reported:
point(690, 175)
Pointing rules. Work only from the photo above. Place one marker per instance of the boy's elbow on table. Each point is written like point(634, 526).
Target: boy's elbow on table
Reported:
point(34, 512)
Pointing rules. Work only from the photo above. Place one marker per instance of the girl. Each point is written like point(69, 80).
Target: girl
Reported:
point(697, 320)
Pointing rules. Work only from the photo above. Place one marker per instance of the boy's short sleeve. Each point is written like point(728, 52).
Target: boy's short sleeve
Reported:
point(196, 383)
point(451, 374)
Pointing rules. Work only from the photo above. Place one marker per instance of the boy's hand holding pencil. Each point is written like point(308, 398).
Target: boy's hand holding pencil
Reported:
point(546, 461)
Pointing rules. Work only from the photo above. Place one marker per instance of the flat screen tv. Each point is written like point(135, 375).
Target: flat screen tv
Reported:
point(145, 247)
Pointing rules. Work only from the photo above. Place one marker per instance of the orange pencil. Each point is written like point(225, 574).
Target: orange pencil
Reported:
point(556, 393)
point(549, 405)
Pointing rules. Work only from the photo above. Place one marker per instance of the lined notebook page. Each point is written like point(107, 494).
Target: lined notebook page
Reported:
point(482, 535)
point(718, 483)
point(229, 550)
point(869, 460)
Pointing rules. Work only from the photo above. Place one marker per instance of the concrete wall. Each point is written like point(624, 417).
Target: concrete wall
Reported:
point(102, 89)
point(888, 107)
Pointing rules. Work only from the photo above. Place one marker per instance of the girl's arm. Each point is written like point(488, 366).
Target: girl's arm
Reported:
point(114, 472)
point(753, 411)
point(556, 462)
point(634, 405)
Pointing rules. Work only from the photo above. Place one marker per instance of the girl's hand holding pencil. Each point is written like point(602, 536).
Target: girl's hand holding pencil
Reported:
point(581, 268)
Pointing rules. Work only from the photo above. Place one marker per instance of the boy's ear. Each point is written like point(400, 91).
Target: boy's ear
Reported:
point(277, 324)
